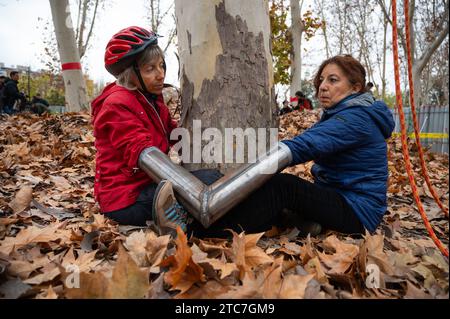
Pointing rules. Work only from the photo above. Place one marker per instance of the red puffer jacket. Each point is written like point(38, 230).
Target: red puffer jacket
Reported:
point(125, 123)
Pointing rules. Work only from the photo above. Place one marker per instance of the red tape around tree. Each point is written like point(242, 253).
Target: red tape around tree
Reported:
point(71, 66)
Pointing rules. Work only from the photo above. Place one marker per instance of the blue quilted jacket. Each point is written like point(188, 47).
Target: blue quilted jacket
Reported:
point(350, 154)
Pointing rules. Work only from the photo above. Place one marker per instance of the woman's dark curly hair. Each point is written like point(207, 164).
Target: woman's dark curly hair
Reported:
point(351, 67)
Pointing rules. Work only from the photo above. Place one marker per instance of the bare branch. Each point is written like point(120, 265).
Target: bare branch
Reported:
point(81, 48)
point(387, 15)
point(169, 41)
point(92, 25)
point(422, 62)
point(166, 12)
point(78, 19)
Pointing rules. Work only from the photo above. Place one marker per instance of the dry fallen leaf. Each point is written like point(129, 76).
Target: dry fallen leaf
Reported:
point(250, 288)
point(183, 272)
point(294, 286)
point(315, 267)
point(375, 254)
point(343, 257)
point(412, 292)
point(55, 155)
point(136, 244)
point(60, 182)
point(246, 254)
point(225, 268)
point(8, 221)
point(273, 280)
point(49, 293)
point(85, 262)
point(44, 277)
point(33, 234)
point(22, 200)
point(92, 286)
point(128, 281)
point(156, 250)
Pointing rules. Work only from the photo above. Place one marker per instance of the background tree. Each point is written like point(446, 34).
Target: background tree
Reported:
point(429, 25)
point(74, 82)
point(436, 86)
point(87, 12)
point(50, 86)
point(297, 28)
point(226, 66)
point(281, 41)
point(287, 51)
point(362, 28)
point(320, 8)
point(432, 20)
point(159, 16)
point(381, 55)
point(86, 16)
point(301, 26)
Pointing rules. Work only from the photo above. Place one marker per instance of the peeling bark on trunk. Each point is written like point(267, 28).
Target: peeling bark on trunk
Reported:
point(74, 84)
point(226, 68)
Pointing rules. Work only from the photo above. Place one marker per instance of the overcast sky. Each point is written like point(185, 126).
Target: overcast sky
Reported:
point(21, 33)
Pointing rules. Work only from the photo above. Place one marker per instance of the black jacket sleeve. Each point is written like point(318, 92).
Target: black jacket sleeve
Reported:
point(12, 91)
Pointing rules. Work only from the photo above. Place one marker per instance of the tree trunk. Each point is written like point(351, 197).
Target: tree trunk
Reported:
point(81, 28)
point(94, 15)
point(297, 28)
point(445, 90)
point(342, 18)
point(226, 75)
point(154, 21)
point(420, 64)
point(75, 86)
point(321, 6)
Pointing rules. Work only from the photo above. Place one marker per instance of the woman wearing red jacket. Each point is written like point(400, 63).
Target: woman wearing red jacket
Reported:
point(129, 116)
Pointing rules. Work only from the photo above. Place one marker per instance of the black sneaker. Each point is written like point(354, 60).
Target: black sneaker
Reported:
point(309, 227)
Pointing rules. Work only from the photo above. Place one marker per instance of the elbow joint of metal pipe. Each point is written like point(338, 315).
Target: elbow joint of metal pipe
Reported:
point(209, 203)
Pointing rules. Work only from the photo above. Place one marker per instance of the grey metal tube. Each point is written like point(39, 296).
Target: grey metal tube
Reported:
point(209, 203)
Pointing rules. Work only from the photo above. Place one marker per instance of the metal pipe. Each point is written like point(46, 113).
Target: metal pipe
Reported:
point(209, 203)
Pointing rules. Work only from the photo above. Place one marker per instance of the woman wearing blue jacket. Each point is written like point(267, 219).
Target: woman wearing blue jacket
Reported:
point(349, 151)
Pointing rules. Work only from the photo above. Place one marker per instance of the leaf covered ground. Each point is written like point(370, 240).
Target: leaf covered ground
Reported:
point(53, 238)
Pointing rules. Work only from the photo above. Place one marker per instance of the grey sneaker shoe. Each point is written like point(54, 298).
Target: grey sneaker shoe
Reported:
point(167, 213)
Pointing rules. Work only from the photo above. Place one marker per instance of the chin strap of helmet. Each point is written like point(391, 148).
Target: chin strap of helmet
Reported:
point(139, 76)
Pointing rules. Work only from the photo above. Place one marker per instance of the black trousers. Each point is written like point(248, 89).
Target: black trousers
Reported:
point(284, 199)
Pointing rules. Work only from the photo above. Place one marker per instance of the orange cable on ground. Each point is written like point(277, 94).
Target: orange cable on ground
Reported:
point(403, 129)
point(414, 114)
